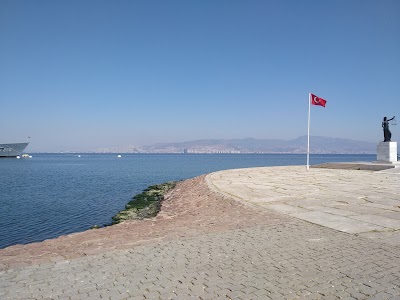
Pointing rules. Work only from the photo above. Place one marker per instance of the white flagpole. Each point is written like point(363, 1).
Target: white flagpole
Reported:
point(308, 132)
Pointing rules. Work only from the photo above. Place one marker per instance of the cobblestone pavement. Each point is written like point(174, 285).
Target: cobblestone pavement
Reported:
point(222, 250)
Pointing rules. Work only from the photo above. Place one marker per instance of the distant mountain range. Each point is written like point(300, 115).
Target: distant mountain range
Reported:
point(318, 144)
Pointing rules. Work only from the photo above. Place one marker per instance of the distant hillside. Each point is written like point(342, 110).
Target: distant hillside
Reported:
point(319, 144)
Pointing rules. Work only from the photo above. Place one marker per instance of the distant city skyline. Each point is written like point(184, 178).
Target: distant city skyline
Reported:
point(321, 145)
point(82, 75)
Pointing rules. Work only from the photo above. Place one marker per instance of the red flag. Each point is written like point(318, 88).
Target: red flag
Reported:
point(317, 101)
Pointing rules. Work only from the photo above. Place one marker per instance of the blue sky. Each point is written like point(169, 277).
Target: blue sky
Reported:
point(79, 75)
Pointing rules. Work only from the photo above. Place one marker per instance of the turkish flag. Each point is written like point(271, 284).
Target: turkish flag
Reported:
point(317, 101)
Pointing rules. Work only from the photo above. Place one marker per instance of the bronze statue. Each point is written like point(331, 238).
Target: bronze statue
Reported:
point(386, 132)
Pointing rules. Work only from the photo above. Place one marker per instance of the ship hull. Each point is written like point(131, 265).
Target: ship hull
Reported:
point(12, 150)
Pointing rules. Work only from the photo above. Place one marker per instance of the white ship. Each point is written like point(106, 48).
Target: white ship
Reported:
point(12, 150)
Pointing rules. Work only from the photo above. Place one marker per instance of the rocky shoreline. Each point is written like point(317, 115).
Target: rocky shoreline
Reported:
point(144, 205)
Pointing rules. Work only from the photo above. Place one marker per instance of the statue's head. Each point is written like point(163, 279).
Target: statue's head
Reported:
point(384, 118)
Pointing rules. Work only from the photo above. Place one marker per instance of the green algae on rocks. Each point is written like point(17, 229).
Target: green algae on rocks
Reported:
point(144, 205)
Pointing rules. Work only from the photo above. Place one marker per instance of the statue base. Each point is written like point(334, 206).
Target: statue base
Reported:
point(387, 152)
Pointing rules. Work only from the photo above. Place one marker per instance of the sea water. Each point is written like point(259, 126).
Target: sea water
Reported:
point(50, 195)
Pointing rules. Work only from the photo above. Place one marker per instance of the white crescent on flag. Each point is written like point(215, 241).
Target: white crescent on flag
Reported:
point(317, 100)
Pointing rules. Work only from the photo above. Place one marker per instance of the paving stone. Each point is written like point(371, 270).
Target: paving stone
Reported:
point(381, 296)
point(250, 253)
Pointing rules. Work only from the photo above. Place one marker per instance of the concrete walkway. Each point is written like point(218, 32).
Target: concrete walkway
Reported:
point(365, 203)
point(204, 245)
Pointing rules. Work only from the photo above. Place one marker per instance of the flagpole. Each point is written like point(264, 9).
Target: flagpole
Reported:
point(308, 132)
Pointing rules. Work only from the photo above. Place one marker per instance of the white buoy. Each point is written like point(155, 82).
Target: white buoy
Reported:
point(18, 157)
point(119, 156)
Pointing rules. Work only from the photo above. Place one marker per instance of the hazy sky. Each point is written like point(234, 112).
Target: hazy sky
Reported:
point(79, 75)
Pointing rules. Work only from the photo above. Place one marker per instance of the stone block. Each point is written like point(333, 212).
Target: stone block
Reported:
point(387, 152)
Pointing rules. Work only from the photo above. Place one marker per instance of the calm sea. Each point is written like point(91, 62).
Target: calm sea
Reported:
point(55, 194)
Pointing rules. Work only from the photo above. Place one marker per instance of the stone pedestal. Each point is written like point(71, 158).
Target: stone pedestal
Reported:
point(387, 152)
